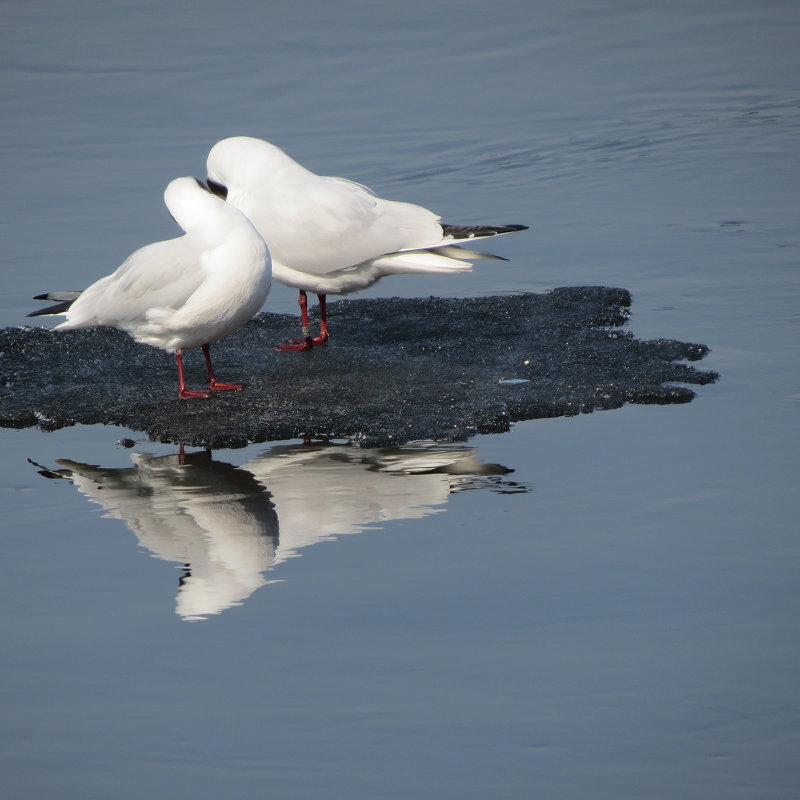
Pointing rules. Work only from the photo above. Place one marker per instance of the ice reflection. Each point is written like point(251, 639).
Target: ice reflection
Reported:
point(229, 525)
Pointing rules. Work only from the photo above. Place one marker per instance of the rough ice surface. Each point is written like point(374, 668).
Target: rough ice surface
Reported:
point(395, 371)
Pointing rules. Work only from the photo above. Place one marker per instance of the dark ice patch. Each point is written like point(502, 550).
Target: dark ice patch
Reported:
point(395, 371)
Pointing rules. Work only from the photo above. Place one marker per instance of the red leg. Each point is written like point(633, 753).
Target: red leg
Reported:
point(306, 343)
point(324, 335)
point(303, 301)
point(212, 381)
point(183, 392)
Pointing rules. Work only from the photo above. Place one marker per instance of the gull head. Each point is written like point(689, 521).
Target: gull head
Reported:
point(241, 164)
point(194, 206)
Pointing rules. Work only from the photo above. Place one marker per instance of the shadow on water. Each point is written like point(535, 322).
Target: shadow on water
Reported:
point(229, 525)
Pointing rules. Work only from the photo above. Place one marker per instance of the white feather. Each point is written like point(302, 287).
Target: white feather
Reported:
point(184, 292)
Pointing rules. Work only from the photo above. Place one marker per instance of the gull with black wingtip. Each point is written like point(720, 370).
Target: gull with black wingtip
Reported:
point(331, 235)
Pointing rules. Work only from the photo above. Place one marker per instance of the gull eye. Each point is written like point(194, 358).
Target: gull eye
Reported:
point(218, 189)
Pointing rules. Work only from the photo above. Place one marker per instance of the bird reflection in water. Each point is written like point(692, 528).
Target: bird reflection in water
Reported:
point(189, 508)
point(229, 525)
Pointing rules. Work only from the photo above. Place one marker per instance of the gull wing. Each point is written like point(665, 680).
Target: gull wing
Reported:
point(324, 224)
point(160, 275)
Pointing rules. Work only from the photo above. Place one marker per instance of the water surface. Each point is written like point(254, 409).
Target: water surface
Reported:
point(625, 628)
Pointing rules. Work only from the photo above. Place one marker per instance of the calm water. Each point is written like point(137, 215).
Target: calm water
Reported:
point(615, 618)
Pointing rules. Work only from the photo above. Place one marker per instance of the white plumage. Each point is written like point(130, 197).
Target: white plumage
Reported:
point(185, 292)
point(330, 235)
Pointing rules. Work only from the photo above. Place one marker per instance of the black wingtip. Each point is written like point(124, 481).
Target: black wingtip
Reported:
point(63, 296)
point(58, 308)
point(49, 311)
point(474, 231)
point(65, 300)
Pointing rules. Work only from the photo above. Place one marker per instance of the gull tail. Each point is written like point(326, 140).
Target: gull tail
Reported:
point(446, 255)
point(456, 251)
point(426, 261)
point(65, 300)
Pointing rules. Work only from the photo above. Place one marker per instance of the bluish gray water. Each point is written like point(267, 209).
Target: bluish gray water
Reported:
point(626, 628)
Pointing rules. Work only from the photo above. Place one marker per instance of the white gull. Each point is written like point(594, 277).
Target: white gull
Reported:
point(181, 293)
point(330, 235)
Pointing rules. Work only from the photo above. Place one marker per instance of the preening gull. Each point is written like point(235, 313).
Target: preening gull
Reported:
point(181, 293)
point(330, 235)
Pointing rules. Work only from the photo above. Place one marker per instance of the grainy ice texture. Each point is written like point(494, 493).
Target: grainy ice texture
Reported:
point(395, 371)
